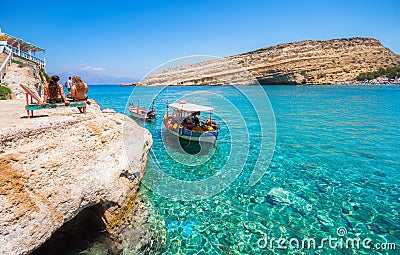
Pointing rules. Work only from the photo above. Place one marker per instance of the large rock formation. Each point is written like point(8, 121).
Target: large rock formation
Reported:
point(54, 167)
point(305, 62)
point(25, 73)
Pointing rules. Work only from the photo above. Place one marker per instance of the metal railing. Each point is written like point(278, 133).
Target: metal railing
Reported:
point(6, 63)
point(28, 56)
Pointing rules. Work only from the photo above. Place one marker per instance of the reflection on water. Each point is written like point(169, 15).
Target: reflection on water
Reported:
point(185, 146)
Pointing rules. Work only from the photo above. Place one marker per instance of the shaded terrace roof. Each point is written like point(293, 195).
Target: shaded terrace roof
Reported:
point(190, 107)
point(13, 41)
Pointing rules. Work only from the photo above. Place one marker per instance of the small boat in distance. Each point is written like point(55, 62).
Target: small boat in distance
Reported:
point(142, 113)
point(184, 122)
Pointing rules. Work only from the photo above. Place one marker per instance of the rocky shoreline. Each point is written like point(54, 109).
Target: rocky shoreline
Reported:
point(60, 164)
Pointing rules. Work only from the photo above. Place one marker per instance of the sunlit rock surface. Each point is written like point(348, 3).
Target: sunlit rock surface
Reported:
point(54, 166)
point(304, 62)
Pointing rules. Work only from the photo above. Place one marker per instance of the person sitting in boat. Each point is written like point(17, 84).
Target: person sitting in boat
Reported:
point(188, 122)
point(54, 92)
point(196, 120)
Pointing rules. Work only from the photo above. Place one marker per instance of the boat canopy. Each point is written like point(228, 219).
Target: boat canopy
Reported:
point(191, 107)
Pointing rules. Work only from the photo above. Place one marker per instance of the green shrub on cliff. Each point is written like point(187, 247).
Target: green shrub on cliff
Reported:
point(44, 76)
point(4, 91)
point(14, 61)
point(390, 73)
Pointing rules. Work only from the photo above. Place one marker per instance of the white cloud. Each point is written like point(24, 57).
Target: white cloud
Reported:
point(96, 69)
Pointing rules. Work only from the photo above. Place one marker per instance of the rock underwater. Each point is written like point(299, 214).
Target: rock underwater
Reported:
point(281, 196)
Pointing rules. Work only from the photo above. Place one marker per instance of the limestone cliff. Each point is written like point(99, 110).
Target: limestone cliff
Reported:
point(25, 73)
point(55, 166)
point(305, 62)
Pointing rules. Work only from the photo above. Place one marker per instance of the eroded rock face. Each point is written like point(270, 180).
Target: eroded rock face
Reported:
point(305, 62)
point(28, 75)
point(53, 167)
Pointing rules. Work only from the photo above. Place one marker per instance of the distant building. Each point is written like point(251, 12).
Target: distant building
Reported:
point(23, 49)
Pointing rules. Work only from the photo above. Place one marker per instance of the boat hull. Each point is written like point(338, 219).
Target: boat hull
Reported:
point(138, 116)
point(143, 114)
point(207, 136)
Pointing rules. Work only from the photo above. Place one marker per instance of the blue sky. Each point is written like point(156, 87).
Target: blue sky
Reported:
point(130, 38)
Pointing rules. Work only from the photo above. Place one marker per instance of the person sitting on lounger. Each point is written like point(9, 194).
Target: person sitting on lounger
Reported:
point(79, 89)
point(54, 92)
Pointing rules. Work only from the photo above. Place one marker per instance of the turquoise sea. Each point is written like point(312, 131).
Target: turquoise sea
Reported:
point(331, 187)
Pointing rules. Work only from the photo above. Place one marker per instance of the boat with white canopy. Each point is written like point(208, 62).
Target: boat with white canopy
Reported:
point(185, 123)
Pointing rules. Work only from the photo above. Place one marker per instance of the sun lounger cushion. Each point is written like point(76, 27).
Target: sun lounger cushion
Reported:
point(32, 93)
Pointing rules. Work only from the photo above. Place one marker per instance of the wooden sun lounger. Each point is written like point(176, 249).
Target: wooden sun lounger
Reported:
point(31, 106)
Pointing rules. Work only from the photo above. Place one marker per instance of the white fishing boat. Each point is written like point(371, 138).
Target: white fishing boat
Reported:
point(142, 113)
point(184, 122)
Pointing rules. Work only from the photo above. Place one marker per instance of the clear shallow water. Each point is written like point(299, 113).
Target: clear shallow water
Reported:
point(336, 165)
point(110, 96)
